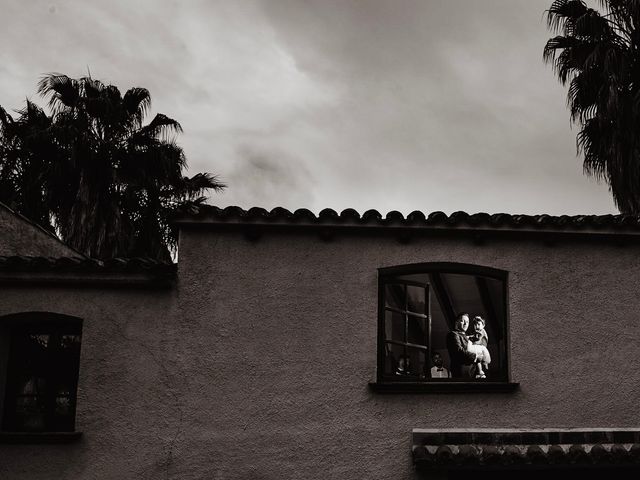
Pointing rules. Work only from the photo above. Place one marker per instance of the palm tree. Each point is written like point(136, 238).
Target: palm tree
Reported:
point(598, 55)
point(26, 155)
point(110, 182)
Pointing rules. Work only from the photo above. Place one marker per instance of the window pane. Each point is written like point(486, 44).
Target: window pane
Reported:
point(30, 413)
point(439, 325)
point(394, 326)
point(398, 361)
point(70, 342)
point(394, 295)
point(418, 330)
point(63, 406)
point(31, 349)
point(418, 361)
point(39, 340)
point(464, 294)
point(29, 401)
point(417, 299)
point(32, 386)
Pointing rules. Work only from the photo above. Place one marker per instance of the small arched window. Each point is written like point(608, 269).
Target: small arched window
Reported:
point(442, 322)
point(39, 361)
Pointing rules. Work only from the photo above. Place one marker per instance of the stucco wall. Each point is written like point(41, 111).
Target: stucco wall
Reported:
point(287, 345)
point(257, 364)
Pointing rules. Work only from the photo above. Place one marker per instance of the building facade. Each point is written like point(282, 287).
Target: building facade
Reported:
point(290, 345)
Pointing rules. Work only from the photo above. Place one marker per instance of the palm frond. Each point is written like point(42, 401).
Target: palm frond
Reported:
point(113, 95)
point(563, 13)
point(161, 126)
point(61, 91)
point(137, 102)
point(5, 118)
point(591, 25)
point(583, 95)
point(201, 182)
point(91, 89)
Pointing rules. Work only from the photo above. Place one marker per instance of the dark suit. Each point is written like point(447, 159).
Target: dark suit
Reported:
point(458, 355)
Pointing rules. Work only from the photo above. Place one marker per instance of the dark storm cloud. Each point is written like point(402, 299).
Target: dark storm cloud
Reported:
point(263, 176)
point(414, 104)
point(453, 97)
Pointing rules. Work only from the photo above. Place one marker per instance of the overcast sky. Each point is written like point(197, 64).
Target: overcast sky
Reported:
point(394, 105)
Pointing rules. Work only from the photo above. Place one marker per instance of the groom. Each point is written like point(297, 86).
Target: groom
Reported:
point(457, 342)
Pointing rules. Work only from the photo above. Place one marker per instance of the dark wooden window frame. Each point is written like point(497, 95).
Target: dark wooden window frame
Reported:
point(55, 325)
point(391, 384)
point(407, 313)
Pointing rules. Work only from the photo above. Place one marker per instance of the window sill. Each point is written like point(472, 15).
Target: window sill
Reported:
point(443, 387)
point(39, 437)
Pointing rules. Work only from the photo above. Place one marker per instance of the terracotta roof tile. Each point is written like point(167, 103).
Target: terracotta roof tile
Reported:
point(447, 449)
point(416, 219)
point(87, 265)
point(452, 456)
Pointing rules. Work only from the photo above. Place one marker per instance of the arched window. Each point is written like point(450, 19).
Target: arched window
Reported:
point(442, 322)
point(39, 362)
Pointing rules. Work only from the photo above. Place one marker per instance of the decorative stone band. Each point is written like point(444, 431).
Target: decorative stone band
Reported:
point(522, 449)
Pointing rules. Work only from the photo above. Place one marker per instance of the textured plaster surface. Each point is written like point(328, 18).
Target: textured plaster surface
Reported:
point(256, 365)
point(20, 237)
point(287, 328)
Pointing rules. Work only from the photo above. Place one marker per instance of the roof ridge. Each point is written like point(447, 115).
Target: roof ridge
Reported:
point(394, 218)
